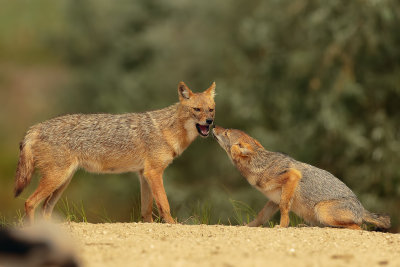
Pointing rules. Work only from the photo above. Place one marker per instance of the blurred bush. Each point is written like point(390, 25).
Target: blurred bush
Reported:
point(318, 80)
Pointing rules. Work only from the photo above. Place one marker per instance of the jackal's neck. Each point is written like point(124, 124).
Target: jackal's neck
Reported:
point(255, 163)
point(166, 116)
point(170, 117)
point(176, 125)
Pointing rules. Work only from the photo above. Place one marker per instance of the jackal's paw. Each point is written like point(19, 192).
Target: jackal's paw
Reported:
point(170, 220)
point(147, 219)
point(254, 223)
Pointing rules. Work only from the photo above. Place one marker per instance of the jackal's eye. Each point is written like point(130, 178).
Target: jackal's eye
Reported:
point(197, 109)
point(211, 110)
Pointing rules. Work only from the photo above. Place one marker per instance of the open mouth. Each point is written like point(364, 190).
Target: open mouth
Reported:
point(203, 129)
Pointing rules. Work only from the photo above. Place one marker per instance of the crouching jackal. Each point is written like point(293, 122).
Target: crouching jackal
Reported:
point(313, 194)
point(135, 142)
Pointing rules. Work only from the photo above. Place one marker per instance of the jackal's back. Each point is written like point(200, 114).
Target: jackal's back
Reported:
point(92, 134)
point(316, 184)
point(320, 185)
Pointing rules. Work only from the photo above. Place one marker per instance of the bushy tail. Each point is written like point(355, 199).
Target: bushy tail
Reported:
point(26, 166)
point(381, 221)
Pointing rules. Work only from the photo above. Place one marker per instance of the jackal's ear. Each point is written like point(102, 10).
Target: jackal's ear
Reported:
point(241, 149)
point(184, 91)
point(211, 90)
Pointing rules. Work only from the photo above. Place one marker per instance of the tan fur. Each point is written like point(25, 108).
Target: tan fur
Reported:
point(288, 182)
point(269, 209)
point(313, 194)
point(329, 214)
point(136, 142)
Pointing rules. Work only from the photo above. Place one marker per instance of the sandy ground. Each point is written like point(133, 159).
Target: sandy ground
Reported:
point(155, 244)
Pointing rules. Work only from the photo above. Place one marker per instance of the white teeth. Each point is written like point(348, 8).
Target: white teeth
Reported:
point(203, 129)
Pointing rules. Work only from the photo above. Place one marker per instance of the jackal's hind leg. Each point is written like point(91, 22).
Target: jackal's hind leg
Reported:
point(338, 213)
point(50, 201)
point(52, 179)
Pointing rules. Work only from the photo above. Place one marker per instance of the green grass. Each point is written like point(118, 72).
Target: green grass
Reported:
point(295, 220)
point(104, 217)
point(135, 215)
point(201, 213)
point(3, 221)
point(72, 212)
point(243, 213)
point(16, 221)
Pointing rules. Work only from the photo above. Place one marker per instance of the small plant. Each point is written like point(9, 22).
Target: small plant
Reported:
point(72, 212)
point(104, 217)
point(295, 220)
point(201, 213)
point(3, 221)
point(17, 221)
point(271, 224)
point(135, 215)
point(156, 216)
point(243, 213)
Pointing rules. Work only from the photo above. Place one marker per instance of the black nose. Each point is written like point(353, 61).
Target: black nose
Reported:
point(209, 121)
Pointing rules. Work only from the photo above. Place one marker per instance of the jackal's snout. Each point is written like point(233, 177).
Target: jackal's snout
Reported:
point(217, 132)
point(217, 129)
point(204, 129)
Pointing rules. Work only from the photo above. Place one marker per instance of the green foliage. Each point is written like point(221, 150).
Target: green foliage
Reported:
point(295, 220)
point(135, 215)
point(71, 211)
point(16, 221)
point(201, 214)
point(315, 79)
point(243, 213)
point(3, 221)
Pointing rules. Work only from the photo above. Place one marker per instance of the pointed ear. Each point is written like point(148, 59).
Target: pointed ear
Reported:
point(211, 90)
point(258, 144)
point(183, 91)
point(241, 149)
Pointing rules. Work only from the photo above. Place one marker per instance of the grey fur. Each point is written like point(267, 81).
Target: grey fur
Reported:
point(319, 198)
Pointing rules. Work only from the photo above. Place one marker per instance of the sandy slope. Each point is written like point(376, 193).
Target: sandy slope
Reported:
point(137, 244)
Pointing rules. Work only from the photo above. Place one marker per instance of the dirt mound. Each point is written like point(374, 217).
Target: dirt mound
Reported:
point(139, 244)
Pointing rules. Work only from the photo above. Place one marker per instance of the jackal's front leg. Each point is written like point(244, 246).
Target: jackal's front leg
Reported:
point(289, 181)
point(269, 209)
point(146, 199)
point(154, 178)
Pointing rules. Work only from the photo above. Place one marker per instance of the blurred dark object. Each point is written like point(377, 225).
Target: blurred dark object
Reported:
point(34, 247)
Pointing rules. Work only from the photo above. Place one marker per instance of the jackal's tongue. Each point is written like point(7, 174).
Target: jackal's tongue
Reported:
point(203, 129)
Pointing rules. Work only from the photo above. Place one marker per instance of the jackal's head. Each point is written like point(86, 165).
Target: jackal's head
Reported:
point(200, 106)
point(236, 143)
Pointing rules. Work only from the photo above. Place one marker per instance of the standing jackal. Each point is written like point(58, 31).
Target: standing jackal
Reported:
point(103, 143)
point(314, 194)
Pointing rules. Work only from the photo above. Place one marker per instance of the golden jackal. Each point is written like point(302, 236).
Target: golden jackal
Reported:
point(135, 142)
point(314, 194)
